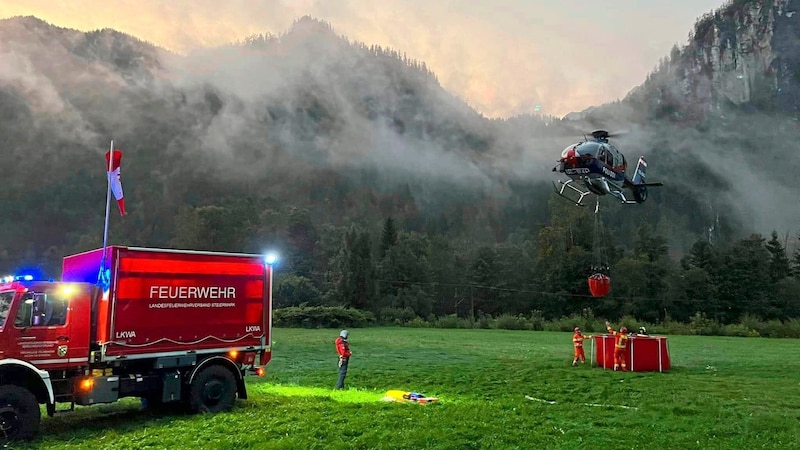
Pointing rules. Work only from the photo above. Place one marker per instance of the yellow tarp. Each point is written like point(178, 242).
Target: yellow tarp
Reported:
point(405, 396)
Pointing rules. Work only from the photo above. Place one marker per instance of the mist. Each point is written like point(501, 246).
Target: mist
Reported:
point(309, 103)
point(503, 58)
point(744, 167)
point(376, 113)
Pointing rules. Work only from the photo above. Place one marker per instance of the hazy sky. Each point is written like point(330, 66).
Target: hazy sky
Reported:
point(503, 57)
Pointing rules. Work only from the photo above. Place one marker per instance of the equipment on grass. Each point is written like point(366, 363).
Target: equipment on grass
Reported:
point(405, 397)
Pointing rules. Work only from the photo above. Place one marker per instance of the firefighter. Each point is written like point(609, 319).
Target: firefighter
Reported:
point(577, 342)
point(620, 346)
point(343, 348)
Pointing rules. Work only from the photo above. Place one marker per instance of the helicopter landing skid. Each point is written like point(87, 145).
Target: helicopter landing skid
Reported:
point(622, 198)
point(569, 184)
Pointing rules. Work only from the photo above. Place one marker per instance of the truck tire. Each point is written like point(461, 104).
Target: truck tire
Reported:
point(213, 390)
point(19, 413)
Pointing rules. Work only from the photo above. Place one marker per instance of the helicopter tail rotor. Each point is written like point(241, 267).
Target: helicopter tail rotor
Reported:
point(639, 174)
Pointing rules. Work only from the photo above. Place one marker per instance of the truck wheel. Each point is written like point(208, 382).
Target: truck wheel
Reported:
point(19, 413)
point(213, 390)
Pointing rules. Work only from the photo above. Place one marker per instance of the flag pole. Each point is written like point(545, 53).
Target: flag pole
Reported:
point(108, 208)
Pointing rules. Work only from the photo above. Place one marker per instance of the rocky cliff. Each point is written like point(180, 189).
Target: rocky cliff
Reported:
point(745, 54)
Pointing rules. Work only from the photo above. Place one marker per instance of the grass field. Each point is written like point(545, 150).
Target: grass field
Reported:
point(722, 393)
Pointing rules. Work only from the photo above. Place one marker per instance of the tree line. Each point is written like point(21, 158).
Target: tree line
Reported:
point(388, 270)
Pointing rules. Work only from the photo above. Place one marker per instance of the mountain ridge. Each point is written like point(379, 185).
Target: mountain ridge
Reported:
point(352, 132)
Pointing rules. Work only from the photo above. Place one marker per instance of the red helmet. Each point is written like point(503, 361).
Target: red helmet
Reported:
point(623, 330)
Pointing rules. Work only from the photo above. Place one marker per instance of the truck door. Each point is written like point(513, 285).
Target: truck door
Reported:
point(42, 329)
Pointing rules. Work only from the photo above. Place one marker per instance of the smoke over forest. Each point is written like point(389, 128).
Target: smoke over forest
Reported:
point(348, 130)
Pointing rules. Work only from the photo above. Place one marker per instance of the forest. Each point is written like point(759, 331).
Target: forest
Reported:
point(385, 193)
point(399, 273)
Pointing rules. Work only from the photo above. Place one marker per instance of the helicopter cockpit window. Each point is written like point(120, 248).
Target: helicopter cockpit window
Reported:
point(589, 148)
point(617, 159)
point(604, 156)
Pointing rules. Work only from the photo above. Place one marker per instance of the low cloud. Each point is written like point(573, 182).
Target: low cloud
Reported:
point(502, 58)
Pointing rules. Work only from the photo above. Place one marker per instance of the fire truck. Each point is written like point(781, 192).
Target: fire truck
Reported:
point(173, 327)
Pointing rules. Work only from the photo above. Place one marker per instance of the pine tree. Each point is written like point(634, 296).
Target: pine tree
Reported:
point(301, 237)
point(796, 263)
point(388, 237)
point(701, 255)
point(649, 246)
point(779, 267)
point(354, 278)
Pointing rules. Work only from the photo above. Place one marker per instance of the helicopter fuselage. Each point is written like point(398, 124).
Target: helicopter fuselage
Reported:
point(596, 164)
point(596, 167)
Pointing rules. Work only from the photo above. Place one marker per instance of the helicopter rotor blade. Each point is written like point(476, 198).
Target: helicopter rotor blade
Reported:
point(605, 134)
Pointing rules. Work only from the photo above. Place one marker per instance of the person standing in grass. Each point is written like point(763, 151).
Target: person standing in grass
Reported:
point(577, 342)
point(620, 345)
point(343, 348)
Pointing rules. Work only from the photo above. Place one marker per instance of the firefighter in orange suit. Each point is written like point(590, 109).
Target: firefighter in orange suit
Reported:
point(343, 349)
point(620, 346)
point(577, 342)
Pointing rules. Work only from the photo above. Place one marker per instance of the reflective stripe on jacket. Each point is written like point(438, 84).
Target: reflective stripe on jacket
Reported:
point(620, 339)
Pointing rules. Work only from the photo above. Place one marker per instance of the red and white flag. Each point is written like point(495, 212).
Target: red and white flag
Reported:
point(114, 179)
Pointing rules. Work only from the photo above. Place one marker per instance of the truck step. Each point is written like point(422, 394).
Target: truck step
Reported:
point(61, 411)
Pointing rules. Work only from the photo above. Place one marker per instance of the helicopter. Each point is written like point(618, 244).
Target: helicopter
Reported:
point(595, 166)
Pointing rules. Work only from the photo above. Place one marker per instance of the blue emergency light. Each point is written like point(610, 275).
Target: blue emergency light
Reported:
point(12, 278)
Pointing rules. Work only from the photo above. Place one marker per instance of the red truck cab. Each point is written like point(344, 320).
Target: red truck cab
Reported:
point(34, 325)
point(169, 326)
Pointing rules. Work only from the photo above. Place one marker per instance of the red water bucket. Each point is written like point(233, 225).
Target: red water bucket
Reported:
point(599, 285)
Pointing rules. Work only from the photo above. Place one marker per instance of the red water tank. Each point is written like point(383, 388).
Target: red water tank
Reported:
point(644, 353)
point(599, 285)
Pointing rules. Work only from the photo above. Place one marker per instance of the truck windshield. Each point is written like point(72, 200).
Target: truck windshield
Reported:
point(5, 305)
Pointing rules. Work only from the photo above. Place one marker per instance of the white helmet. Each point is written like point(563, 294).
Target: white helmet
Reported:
point(344, 334)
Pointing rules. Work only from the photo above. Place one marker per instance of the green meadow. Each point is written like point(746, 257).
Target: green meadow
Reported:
point(497, 389)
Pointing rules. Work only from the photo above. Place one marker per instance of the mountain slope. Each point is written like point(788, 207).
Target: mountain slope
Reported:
point(718, 117)
point(308, 118)
point(355, 133)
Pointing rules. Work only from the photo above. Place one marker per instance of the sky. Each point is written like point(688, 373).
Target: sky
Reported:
point(503, 57)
